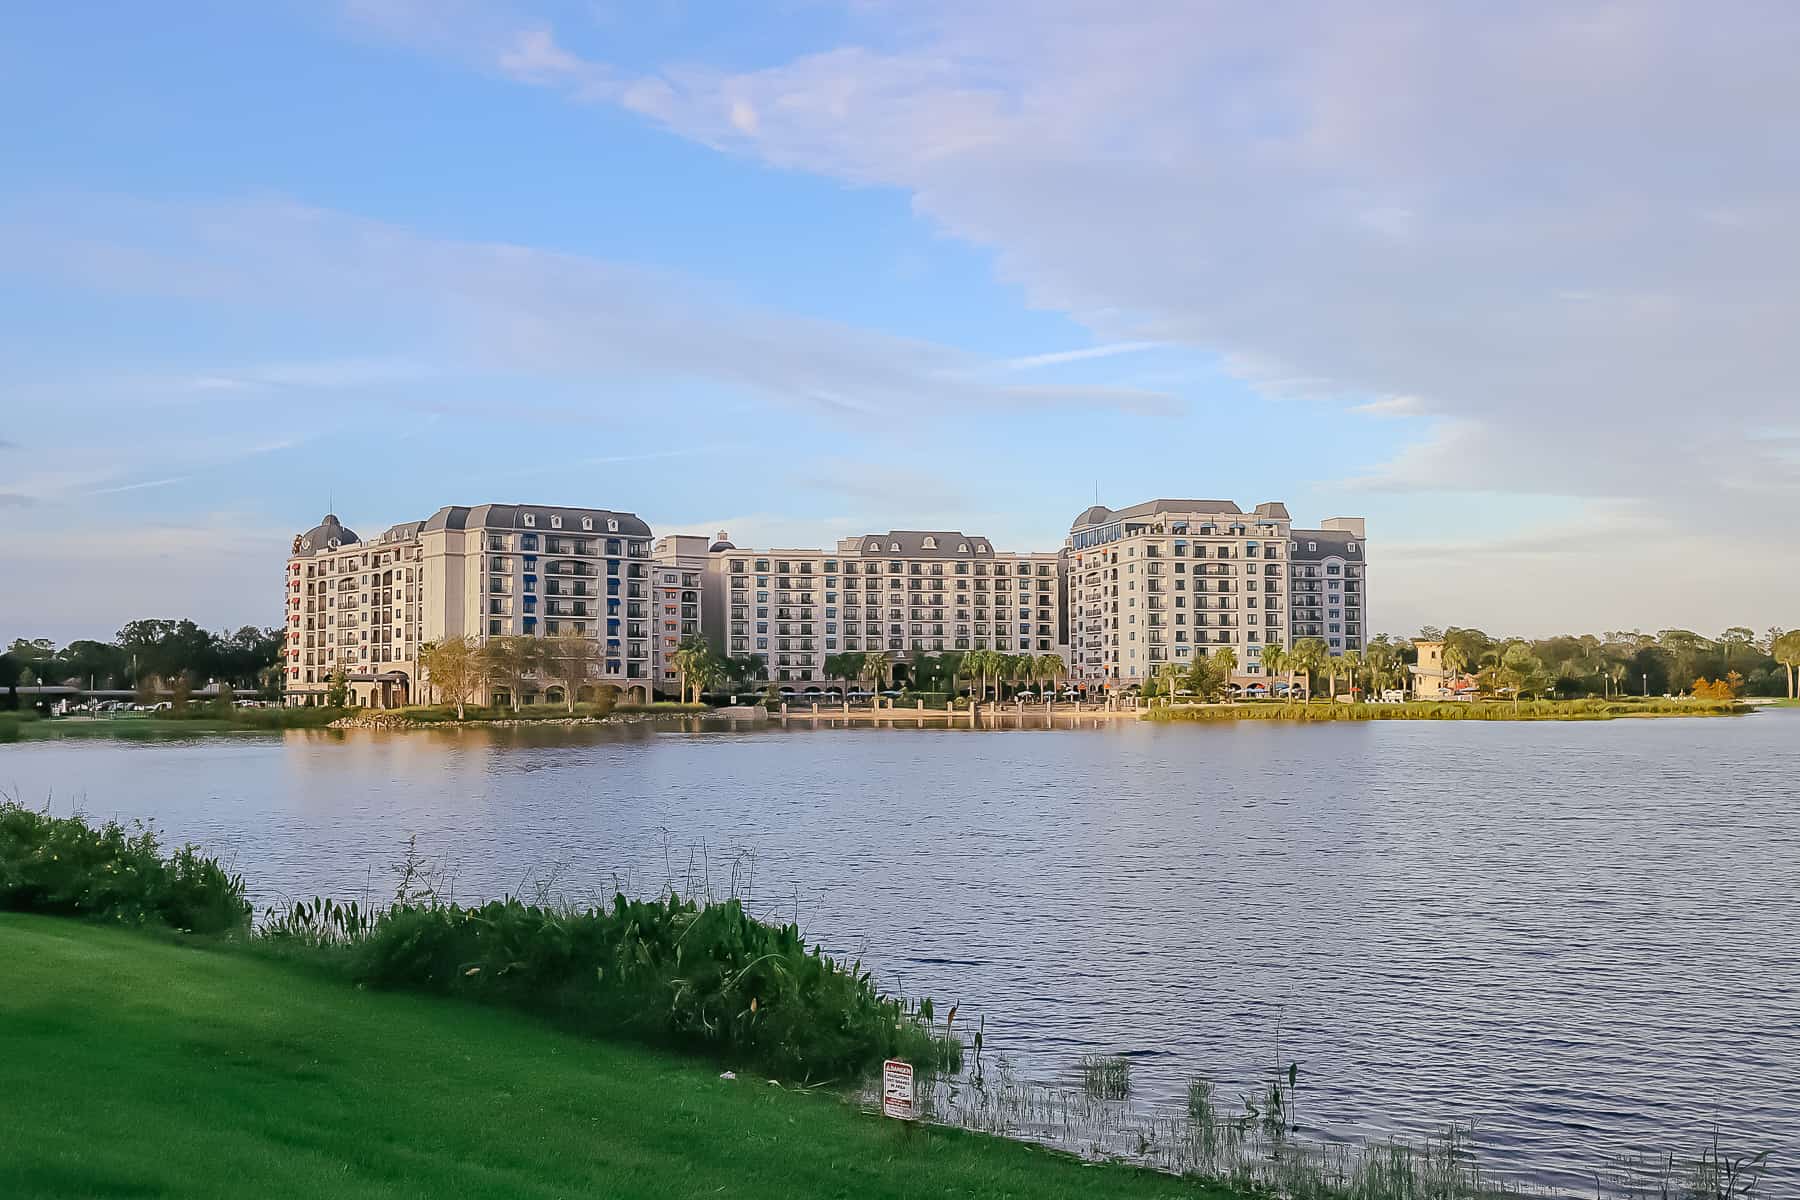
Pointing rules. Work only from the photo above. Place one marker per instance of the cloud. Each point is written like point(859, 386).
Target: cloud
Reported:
point(15, 500)
point(1391, 406)
point(141, 486)
point(490, 306)
point(1059, 357)
point(1510, 223)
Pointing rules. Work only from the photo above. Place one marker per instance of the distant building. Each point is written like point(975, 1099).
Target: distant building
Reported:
point(678, 591)
point(904, 593)
point(1430, 681)
point(486, 571)
point(1167, 581)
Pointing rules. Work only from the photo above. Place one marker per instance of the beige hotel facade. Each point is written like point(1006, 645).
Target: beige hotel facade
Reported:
point(1131, 589)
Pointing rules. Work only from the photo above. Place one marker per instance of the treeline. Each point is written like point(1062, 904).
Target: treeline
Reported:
point(1738, 661)
point(148, 655)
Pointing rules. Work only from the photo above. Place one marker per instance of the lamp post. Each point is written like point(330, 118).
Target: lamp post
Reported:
point(1646, 685)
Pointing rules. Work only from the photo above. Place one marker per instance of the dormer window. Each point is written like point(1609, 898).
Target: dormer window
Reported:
point(530, 519)
point(556, 522)
point(587, 522)
point(981, 548)
point(1312, 547)
point(962, 547)
point(931, 543)
point(612, 526)
point(1352, 547)
point(875, 547)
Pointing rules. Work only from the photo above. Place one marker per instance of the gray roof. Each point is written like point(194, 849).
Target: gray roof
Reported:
point(949, 544)
point(512, 516)
point(403, 532)
point(1274, 510)
point(1330, 542)
point(328, 534)
point(1100, 515)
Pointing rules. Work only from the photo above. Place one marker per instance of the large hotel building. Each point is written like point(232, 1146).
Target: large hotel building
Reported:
point(1168, 580)
point(1131, 589)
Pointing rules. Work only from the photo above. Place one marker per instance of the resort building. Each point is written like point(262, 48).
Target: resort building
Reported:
point(1430, 679)
point(904, 592)
point(677, 588)
point(1170, 580)
point(486, 571)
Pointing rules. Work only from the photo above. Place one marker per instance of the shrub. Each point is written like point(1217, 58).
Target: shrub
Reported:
point(701, 977)
point(64, 865)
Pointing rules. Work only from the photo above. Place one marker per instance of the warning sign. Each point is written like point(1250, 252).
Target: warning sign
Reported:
point(897, 1098)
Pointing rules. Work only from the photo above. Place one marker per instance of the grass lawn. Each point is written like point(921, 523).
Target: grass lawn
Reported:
point(131, 1065)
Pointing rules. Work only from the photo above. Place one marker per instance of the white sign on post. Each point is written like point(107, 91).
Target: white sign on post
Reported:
point(897, 1090)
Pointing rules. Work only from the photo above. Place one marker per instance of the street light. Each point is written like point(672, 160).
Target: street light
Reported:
point(1646, 684)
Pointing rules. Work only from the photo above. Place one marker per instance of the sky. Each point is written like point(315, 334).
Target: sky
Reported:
point(1514, 282)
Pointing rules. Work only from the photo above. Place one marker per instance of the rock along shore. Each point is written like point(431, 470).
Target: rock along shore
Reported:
point(397, 721)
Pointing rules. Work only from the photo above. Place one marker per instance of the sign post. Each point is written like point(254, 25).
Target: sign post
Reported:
point(897, 1099)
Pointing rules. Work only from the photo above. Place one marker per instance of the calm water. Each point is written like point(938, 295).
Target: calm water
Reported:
point(1585, 938)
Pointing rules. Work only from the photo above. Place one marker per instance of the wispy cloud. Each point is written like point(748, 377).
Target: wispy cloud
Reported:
point(1082, 355)
point(1391, 406)
point(509, 308)
point(138, 487)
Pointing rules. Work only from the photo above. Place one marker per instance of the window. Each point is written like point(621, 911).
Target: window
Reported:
point(612, 526)
point(930, 543)
point(556, 522)
point(530, 520)
point(1352, 547)
point(587, 522)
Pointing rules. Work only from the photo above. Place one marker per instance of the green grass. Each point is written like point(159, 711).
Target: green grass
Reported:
point(201, 719)
point(1458, 710)
point(137, 1066)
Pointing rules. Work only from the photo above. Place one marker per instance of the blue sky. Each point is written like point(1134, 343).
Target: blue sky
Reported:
point(1504, 283)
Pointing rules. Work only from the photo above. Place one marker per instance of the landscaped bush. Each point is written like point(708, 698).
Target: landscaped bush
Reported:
point(1449, 710)
point(704, 977)
point(64, 865)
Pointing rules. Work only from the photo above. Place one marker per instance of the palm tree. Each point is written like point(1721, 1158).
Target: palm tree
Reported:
point(1050, 668)
point(1166, 681)
point(977, 664)
point(1274, 661)
point(1786, 650)
point(1351, 662)
point(691, 662)
point(877, 666)
point(1457, 660)
point(1307, 656)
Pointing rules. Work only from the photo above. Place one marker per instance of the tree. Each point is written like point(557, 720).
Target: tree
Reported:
point(1166, 681)
point(847, 666)
point(1380, 662)
point(1274, 661)
point(975, 666)
point(877, 667)
point(10, 672)
point(1736, 638)
point(1307, 656)
point(509, 661)
point(1786, 649)
point(695, 663)
point(454, 667)
point(1050, 668)
point(337, 695)
point(571, 659)
point(1351, 662)
point(1521, 670)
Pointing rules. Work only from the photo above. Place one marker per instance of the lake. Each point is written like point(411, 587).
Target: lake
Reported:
point(1582, 937)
